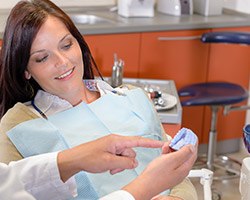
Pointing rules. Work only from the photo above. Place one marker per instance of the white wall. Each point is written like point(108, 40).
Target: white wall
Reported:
point(7, 4)
point(238, 5)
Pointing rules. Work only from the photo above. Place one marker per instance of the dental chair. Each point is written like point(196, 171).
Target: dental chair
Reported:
point(216, 95)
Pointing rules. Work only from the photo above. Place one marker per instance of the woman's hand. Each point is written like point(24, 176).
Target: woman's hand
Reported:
point(112, 152)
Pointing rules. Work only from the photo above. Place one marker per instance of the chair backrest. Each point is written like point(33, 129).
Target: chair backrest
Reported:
point(226, 37)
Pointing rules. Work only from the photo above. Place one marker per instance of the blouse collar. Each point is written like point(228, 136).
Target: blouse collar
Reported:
point(50, 104)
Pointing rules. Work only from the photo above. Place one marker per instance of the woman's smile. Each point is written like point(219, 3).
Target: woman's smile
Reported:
point(66, 75)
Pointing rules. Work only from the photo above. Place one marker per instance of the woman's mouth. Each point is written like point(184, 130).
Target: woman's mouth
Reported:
point(65, 74)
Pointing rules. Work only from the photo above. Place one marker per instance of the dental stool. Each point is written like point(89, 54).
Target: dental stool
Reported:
point(216, 95)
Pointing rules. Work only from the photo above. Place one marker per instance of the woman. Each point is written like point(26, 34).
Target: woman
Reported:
point(54, 103)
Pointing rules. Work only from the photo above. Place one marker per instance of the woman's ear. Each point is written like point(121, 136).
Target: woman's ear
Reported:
point(27, 74)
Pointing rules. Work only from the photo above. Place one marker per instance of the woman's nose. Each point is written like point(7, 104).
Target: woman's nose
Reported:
point(61, 59)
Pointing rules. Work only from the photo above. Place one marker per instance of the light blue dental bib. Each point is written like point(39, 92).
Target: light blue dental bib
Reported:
point(128, 115)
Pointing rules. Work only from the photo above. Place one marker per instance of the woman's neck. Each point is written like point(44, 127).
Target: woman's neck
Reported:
point(83, 94)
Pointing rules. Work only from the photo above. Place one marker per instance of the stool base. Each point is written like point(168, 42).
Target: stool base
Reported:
point(224, 168)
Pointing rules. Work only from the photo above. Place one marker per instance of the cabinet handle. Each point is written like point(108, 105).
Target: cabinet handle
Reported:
point(179, 38)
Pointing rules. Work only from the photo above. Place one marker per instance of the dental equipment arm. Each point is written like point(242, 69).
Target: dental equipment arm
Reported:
point(206, 179)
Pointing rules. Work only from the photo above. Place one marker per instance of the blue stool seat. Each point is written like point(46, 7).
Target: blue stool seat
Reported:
point(212, 93)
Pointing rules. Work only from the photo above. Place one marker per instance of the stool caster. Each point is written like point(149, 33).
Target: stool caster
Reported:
point(216, 195)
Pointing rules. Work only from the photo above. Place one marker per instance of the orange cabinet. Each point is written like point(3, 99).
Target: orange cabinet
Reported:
point(127, 47)
point(228, 62)
point(171, 129)
point(179, 56)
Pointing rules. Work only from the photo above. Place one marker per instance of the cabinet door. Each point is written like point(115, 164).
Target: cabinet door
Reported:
point(126, 46)
point(178, 56)
point(229, 62)
point(171, 129)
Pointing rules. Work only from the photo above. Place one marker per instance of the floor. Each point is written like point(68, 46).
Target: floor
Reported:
point(226, 189)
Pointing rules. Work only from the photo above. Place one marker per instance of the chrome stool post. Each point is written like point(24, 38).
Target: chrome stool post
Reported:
point(212, 138)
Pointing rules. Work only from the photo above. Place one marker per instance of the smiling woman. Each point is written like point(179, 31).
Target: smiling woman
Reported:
point(56, 62)
point(68, 53)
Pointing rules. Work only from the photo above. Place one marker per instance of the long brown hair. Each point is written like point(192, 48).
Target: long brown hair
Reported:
point(22, 25)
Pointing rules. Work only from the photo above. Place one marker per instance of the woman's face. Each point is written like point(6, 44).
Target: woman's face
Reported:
point(56, 59)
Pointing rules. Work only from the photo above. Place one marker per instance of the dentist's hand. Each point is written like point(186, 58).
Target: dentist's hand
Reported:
point(112, 152)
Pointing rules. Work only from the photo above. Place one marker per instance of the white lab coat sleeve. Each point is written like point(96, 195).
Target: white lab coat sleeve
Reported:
point(40, 177)
point(118, 195)
point(11, 187)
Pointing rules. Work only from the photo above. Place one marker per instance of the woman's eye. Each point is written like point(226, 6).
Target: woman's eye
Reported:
point(67, 46)
point(43, 59)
